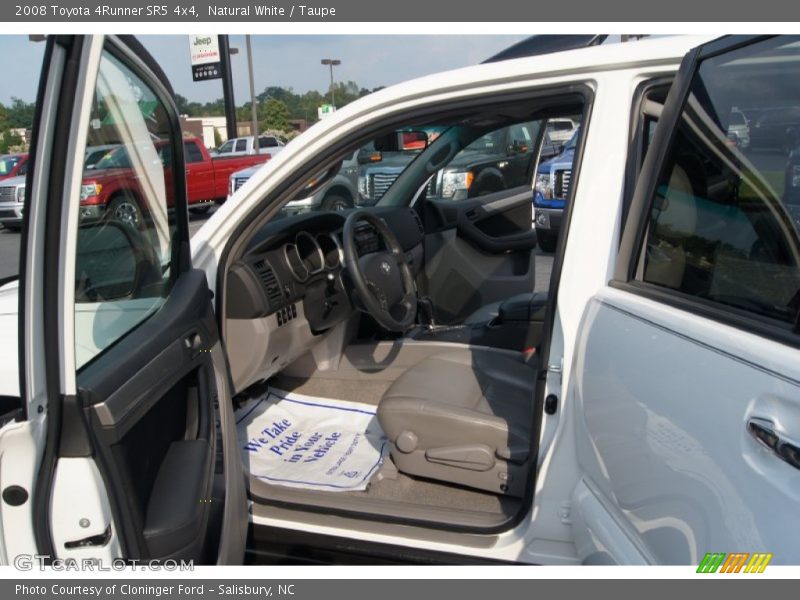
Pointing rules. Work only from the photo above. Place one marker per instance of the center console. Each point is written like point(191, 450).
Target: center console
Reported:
point(517, 325)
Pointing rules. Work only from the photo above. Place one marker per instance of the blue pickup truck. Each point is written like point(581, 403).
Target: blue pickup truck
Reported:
point(550, 194)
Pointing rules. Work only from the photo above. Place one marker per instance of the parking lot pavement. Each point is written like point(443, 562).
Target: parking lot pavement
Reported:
point(9, 253)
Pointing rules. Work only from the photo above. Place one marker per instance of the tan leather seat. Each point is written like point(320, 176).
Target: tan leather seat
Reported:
point(466, 417)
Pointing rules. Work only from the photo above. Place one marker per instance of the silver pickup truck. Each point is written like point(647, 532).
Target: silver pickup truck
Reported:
point(12, 200)
point(340, 193)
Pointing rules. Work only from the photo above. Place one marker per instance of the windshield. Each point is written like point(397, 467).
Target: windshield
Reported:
point(7, 164)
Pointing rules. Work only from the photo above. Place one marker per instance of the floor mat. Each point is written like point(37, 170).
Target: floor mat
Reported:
point(308, 442)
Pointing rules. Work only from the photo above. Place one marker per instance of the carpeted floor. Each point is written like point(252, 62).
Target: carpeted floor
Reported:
point(402, 489)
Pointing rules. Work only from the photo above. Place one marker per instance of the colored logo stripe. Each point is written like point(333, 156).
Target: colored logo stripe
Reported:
point(711, 562)
point(735, 562)
point(758, 562)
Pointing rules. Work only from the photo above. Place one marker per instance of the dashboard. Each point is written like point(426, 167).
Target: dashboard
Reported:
point(295, 266)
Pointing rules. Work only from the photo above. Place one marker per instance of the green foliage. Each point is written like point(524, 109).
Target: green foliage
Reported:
point(20, 114)
point(298, 106)
point(10, 141)
point(217, 138)
point(276, 115)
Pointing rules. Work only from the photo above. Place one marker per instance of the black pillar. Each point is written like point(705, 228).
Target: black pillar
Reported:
point(227, 86)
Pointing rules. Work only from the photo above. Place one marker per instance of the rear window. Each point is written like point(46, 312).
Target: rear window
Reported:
point(192, 152)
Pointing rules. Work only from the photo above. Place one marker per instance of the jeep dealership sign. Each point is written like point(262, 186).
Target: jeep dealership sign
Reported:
point(204, 50)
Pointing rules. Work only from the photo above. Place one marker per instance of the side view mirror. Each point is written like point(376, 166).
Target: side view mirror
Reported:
point(414, 140)
point(517, 148)
point(112, 262)
point(366, 157)
point(314, 184)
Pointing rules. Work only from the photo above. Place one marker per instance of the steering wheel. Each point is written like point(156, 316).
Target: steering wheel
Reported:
point(382, 279)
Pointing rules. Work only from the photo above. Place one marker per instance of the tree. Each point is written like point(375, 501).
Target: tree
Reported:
point(217, 138)
point(182, 104)
point(276, 115)
point(20, 114)
point(10, 141)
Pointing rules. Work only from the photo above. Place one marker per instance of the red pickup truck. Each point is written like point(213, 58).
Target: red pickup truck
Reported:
point(112, 185)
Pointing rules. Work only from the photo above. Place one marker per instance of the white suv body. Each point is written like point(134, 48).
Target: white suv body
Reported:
point(649, 455)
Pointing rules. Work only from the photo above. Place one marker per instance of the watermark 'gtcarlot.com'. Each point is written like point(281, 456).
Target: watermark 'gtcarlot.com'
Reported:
point(42, 562)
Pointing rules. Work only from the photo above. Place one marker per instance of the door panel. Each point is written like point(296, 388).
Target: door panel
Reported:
point(152, 419)
point(477, 251)
point(662, 433)
point(199, 175)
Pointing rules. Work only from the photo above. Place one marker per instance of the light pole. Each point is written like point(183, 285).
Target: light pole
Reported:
point(253, 111)
point(331, 62)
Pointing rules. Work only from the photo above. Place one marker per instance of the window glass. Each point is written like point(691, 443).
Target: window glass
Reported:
point(7, 164)
point(226, 147)
point(192, 152)
point(724, 220)
point(498, 160)
point(241, 145)
point(267, 142)
point(126, 212)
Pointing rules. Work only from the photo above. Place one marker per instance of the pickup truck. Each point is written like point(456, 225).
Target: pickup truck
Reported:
point(498, 161)
point(12, 202)
point(111, 186)
point(551, 189)
point(241, 146)
point(339, 193)
point(651, 418)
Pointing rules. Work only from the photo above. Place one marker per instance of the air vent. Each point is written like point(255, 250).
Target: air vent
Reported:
point(418, 220)
point(271, 284)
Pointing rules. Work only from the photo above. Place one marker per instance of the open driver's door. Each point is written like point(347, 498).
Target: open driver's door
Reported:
point(128, 433)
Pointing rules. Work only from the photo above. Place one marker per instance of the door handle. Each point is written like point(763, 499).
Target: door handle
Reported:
point(764, 431)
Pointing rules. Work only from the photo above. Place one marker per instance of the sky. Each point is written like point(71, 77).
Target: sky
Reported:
point(283, 60)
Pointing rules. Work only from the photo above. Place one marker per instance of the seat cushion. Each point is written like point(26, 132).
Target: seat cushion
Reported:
point(476, 404)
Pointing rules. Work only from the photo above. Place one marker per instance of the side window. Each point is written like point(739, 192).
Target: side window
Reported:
point(267, 142)
point(241, 145)
point(192, 152)
point(124, 260)
point(723, 224)
point(23, 169)
point(226, 147)
point(498, 160)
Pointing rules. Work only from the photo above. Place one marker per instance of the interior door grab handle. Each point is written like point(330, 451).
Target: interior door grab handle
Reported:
point(764, 431)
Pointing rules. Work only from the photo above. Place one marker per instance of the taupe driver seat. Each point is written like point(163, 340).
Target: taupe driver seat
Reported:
point(465, 417)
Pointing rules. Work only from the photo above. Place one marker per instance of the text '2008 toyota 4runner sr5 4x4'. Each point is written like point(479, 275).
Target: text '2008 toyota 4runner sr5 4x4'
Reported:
point(414, 381)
